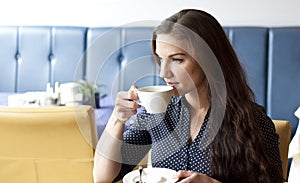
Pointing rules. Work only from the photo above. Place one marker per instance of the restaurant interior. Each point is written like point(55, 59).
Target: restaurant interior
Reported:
point(61, 70)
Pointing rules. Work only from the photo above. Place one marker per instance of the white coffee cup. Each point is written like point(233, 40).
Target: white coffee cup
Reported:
point(155, 99)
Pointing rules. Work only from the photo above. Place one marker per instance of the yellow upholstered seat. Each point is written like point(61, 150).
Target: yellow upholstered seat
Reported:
point(283, 128)
point(47, 144)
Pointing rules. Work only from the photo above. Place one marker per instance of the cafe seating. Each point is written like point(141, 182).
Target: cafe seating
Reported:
point(47, 144)
point(117, 57)
point(283, 128)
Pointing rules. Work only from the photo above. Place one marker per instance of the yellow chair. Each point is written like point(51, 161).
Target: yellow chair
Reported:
point(283, 128)
point(47, 144)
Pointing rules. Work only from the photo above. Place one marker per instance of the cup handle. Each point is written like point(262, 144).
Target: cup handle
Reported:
point(137, 101)
point(140, 103)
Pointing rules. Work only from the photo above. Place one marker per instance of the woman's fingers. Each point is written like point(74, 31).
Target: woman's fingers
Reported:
point(132, 93)
point(181, 174)
point(191, 176)
point(126, 105)
point(126, 100)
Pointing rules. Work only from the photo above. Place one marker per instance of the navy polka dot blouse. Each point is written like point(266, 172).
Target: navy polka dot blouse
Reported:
point(168, 136)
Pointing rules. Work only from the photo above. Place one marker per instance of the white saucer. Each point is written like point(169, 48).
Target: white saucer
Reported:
point(152, 175)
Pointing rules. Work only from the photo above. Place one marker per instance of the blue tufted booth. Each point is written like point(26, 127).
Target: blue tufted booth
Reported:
point(31, 56)
point(271, 57)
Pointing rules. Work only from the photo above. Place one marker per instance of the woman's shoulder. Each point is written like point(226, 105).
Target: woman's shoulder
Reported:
point(263, 121)
point(259, 111)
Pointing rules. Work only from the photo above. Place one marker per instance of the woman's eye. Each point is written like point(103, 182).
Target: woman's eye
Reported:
point(177, 60)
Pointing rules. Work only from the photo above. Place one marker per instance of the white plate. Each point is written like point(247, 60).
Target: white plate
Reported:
point(152, 175)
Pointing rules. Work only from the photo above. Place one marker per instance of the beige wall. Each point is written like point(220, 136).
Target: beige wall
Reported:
point(120, 12)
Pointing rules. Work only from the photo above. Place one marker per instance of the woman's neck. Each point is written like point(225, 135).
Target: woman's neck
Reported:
point(198, 105)
point(197, 101)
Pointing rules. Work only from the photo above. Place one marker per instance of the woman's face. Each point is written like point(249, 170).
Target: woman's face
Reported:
point(177, 67)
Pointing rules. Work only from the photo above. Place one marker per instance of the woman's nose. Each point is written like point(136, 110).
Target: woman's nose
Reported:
point(165, 71)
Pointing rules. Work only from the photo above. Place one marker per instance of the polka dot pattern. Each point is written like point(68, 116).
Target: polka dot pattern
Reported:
point(271, 138)
point(168, 136)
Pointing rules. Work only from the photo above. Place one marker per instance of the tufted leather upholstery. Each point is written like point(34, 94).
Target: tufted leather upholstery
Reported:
point(67, 54)
point(283, 74)
point(116, 63)
point(8, 43)
point(32, 56)
point(253, 58)
point(104, 56)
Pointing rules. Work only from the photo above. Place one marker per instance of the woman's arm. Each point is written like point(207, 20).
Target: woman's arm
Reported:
point(108, 160)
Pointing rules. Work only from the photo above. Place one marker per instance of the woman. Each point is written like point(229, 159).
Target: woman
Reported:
point(213, 131)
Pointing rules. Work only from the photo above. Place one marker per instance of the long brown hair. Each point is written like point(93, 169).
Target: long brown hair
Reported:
point(238, 153)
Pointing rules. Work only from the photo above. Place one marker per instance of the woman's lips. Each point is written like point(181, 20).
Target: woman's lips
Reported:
point(173, 84)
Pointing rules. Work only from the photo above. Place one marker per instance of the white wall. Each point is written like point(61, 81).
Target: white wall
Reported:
point(119, 12)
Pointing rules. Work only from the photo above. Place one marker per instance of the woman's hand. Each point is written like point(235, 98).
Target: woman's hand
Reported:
point(125, 105)
point(191, 176)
